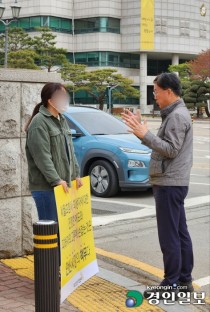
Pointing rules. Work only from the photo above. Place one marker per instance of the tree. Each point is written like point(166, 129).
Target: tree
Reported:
point(45, 46)
point(18, 39)
point(200, 66)
point(20, 49)
point(183, 70)
point(194, 77)
point(195, 94)
point(74, 73)
point(41, 48)
point(97, 81)
point(23, 59)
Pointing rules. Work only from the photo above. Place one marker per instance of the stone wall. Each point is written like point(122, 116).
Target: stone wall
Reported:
point(19, 92)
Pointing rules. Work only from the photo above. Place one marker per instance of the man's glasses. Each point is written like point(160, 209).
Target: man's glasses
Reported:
point(156, 92)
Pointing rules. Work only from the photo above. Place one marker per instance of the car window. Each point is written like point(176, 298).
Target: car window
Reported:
point(73, 126)
point(100, 123)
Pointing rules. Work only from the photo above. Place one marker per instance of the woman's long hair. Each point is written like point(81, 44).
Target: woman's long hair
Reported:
point(46, 94)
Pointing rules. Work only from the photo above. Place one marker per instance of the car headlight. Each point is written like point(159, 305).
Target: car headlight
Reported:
point(134, 151)
point(136, 164)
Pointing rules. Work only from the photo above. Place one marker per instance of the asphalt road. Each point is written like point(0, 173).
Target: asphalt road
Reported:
point(126, 224)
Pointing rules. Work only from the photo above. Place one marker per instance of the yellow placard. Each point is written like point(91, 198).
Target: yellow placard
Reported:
point(147, 25)
point(76, 235)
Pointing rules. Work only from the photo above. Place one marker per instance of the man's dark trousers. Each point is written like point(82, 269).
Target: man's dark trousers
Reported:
point(174, 238)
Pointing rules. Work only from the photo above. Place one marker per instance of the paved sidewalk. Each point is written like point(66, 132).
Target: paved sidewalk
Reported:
point(17, 293)
point(98, 294)
point(104, 292)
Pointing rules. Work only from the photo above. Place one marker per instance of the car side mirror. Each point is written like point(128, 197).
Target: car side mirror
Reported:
point(75, 134)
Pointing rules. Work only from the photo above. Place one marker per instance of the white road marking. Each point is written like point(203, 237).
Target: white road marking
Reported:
point(200, 165)
point(110, 201)
point(198, 175)
point(195, 183)
point(202, 281)
point(201, 139)
point(197, 201)
point(145, 211)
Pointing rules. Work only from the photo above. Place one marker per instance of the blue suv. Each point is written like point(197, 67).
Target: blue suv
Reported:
point(113, 158)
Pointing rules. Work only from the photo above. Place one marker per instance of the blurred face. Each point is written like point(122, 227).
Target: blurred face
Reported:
point(163, 97)
point(60, 101)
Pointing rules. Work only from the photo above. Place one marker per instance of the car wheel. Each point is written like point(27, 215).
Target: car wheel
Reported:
point(103, 179)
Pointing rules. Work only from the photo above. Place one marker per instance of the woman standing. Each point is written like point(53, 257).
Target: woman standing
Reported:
point(49, 150)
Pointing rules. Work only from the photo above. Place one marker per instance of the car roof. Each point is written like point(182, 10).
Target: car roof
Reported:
point(82, 109)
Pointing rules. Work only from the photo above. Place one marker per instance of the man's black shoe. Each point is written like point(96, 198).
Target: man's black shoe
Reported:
point(185, 286)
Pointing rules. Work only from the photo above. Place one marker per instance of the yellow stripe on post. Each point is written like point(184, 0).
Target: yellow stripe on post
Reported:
point(46, 266)
point(45, 237)
point(46, 246)
point(147, 28)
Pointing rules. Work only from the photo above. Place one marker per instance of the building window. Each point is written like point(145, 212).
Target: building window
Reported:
point(128, 100)
point(81, 58)
point(23, 23)
point(55, 23)
point(114, 59)
point(103, 59)
point(84, 25)
point(45, 21)
point(31, 23)
point(69, 56)
point(112, 25)
point(156, 67)
point(66, 25)
point(97, 24)
point(93, 58)
point(83, 97)
point(35, 22)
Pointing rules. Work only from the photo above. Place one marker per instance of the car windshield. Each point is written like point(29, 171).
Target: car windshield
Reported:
point(100, 123)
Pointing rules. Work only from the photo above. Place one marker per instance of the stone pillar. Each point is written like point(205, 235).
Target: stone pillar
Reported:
point(143, 82)
point(175, 59)
point(19, 92)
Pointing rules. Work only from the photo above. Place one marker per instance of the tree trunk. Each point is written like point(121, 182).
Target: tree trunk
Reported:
point(198, 112)
point(101, 105)
point(101, 102)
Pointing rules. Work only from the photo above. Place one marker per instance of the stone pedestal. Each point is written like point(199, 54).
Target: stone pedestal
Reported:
point(19, 93)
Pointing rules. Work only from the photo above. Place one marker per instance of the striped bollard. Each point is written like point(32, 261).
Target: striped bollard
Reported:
point(46, 266)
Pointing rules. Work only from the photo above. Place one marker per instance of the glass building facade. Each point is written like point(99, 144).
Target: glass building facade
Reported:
point(106, 58)
point(81, 26)
point(82, 97)
point(97, 24)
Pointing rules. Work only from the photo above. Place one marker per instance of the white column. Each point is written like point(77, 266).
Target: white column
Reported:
point(175, 59)
point(143, 82)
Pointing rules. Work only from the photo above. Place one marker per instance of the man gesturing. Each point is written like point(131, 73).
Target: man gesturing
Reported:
point(170, 165)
